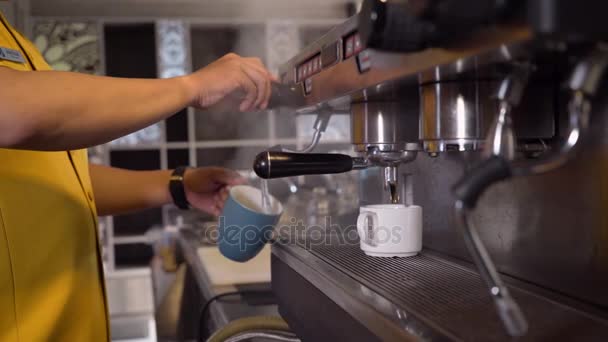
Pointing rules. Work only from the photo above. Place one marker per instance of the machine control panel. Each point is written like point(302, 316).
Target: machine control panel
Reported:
point(308, 68)
point(348, 46)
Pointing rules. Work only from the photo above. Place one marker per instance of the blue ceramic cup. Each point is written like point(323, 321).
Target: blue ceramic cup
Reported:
point(244, 228)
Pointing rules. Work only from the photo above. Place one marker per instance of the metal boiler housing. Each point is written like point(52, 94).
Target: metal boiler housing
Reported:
point(386, 126)
point(455, 115)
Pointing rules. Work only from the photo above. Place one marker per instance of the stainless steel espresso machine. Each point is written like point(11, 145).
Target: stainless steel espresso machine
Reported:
point(496, 110)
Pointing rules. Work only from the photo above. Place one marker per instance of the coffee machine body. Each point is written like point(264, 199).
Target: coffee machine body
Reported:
point(500, 136)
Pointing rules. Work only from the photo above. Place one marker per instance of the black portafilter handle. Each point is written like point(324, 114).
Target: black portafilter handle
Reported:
point(271, 164)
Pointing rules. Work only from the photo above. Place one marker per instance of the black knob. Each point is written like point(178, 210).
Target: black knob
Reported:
point(410, 26)
point(285, 96)
point(283, 164)
point(395, 25)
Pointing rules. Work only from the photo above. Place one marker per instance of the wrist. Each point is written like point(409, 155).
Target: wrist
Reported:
point(163, 193)
point(188, 87)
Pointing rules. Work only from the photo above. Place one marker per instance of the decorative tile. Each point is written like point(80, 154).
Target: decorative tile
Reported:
point(69, 46)
point(172, 37)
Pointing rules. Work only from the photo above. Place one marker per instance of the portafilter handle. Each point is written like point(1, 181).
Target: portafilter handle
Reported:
point(274, 164)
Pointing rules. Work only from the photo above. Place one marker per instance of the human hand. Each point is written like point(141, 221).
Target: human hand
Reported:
point(207, 187)
point(232, 78)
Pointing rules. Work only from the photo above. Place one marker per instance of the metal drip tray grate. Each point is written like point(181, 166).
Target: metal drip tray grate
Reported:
point(453, 298)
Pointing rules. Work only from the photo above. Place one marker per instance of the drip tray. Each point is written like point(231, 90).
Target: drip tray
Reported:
point(452, 298)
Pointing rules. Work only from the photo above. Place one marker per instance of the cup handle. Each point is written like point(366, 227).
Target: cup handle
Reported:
point(362, 227)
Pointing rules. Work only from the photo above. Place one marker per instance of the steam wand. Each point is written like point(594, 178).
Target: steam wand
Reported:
point(584, 83)
point(320, 126)
point(500, 149)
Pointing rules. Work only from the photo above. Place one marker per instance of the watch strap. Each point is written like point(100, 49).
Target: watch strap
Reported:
point(177, 189)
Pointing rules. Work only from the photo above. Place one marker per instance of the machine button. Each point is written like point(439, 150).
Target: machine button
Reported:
point(330, 54)
point(357, 46)
point(364, 61)
point(308, 86)
point(349, 47)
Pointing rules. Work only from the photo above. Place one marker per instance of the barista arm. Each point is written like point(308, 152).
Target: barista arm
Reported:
point(119, 191)
point(58, 111)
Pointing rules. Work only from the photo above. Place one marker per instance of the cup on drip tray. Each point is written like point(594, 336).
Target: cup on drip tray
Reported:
point(390, 230)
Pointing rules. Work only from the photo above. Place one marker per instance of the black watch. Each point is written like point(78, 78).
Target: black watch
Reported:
point(177, 190)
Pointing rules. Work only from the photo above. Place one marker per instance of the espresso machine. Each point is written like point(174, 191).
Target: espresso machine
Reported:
point(495, 111)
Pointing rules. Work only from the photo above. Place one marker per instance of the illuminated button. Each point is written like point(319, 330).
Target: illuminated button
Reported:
point(308, 86)
point(357, 44)
point(364, 61)
point(349, 47)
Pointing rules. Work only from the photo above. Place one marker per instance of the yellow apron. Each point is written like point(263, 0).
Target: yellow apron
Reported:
point(51, 279)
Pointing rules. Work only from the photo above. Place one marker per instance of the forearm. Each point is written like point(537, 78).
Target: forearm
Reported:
point(51, 110)
point(119, 191)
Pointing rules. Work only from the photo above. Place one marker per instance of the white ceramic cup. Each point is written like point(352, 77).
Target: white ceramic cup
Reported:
point(390, 230)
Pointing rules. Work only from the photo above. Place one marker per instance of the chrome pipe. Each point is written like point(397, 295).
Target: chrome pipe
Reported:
point(579, 111)
point(508, 310)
